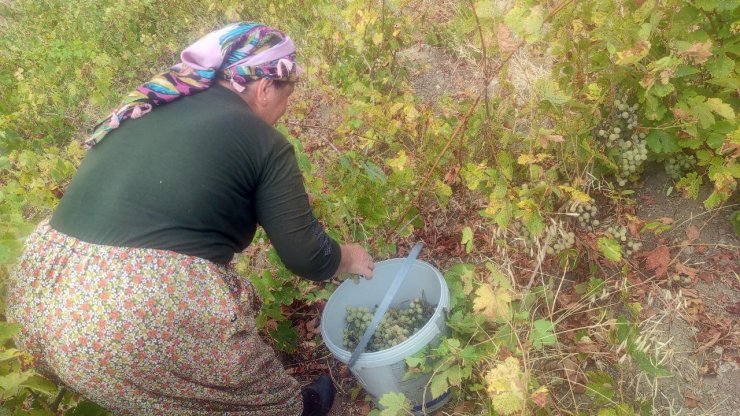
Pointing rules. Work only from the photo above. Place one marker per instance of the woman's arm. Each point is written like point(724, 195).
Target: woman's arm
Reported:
point(284, 212)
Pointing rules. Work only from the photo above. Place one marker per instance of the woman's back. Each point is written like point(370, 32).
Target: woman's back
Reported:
point(182, 178)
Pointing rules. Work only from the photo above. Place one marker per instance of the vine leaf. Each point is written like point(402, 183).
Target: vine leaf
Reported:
point(543, 333)
point(393, 404)
point(506, 387)
point(721, 108)
point(698, 52)
point(634, 54)
point(505, 38)
point(494, 305)
point(610, 248)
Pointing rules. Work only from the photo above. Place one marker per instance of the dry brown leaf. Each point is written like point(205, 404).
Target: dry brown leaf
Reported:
point(695, 307)
point(658, 260)
point(634, 226)
point(734, 309)
point(715, 337)
point(699, 52)
point(539, 397)
point(692, 400)
point(686, 270)
point(506, 41)
point(647, 80)
point(692, 233)
point(706, 276)
point(545, 139)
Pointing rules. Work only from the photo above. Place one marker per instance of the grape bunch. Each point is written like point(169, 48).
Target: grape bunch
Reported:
point(676, 166)
point(523, 236)
point(564, 239)
point(397, 325)
point(619, 233)
point(620, 132)
point(586, 215)
point(631, 157)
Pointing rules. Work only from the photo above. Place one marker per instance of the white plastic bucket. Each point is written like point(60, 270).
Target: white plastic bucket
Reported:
point(383, 371)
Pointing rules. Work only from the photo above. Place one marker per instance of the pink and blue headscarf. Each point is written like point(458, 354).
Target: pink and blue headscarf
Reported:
point(240, 52)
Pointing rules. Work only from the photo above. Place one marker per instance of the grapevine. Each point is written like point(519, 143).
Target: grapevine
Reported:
point(397, 325)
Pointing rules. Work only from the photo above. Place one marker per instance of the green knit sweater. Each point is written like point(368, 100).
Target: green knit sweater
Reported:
point(196, 176)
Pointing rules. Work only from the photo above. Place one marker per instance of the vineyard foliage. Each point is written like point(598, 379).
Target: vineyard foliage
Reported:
point(517, 163)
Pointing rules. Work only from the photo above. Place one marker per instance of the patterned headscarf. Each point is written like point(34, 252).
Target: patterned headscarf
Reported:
point(239, 53)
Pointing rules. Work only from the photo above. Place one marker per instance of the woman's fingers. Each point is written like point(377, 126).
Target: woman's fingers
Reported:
point(358, 260)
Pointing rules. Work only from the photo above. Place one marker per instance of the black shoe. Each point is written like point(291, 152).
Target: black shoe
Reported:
point(318, 397)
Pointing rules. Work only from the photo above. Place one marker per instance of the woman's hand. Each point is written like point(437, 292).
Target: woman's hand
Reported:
point(356, 260)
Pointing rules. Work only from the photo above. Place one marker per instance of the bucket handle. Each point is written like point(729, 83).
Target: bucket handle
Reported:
point(385, 303)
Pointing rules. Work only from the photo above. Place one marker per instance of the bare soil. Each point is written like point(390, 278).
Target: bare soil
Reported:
point(706, 374)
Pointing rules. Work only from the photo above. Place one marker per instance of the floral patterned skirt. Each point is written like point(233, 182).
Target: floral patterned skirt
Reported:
point(145, 332)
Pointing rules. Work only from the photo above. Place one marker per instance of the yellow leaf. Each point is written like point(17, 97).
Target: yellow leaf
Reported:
point(578, 196)
point(377, 38)
point(493, 304)
point(506, 386)
point(530, 159)
point(400, 162)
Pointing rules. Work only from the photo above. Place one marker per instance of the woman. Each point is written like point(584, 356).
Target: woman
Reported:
point(126, 296)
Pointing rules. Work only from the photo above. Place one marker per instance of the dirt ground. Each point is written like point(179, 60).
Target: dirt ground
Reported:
point(697, 320)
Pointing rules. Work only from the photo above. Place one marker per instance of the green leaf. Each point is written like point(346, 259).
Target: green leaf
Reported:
point(8, 330)
point(454, 375)
point(700, 109)
point(543, 333)
point(418, 359)
point(735, 221)
point(661, 90)
point(721, 108)
point(548, 90)
point(40, 385)
point(526, 22)
point(610, 248)
point(690, 185)
point(685, 70)
point(720, 66)
point(467, 239)
point(439, 385)
point(394, 404)
point(654, 109)
point(706, 5)
point(13, 380)
point(8, 354)
point(660, 141)
point(505, 163)
point(285, 336)
point(648, 365)
point(86, 408)
point(600, 387)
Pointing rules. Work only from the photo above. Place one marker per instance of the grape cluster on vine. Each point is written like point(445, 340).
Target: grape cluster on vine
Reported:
point(627, 144)
point(397, 325)
point(678, 165)
point(586, 214)
point(524, 237)
point(619, 233)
